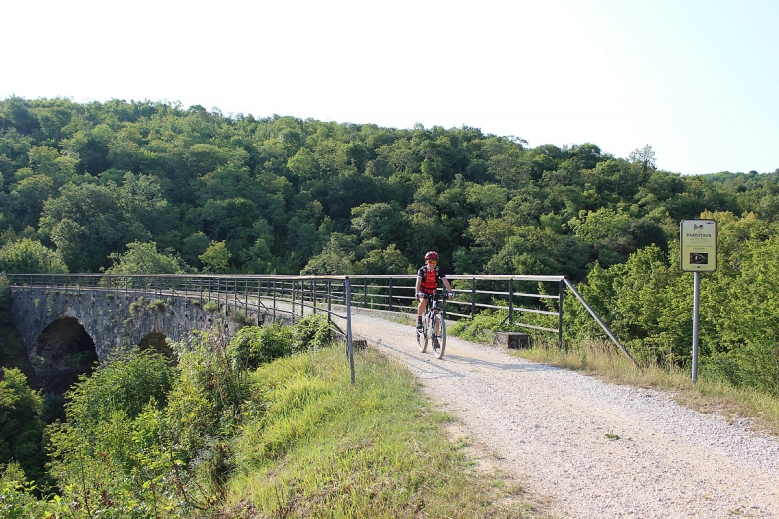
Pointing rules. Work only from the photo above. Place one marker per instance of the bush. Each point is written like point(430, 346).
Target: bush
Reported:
point(21, 428)
point(255, 345)
point(126, 383)
point(312, 333)
point(482, 327)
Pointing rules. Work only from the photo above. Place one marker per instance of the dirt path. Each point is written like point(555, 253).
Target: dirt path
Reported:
point(587, 449)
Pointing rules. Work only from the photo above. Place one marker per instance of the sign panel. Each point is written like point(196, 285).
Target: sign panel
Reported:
point(698, 245)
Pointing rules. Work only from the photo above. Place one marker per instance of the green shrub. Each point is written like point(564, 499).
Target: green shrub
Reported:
point(312, 333)
point(256, 345)
point(17, 495)
point(211, 306)
point(126, 382)
point(482, 327)
point(239, 316)
point(21, 428)
point(137, 307)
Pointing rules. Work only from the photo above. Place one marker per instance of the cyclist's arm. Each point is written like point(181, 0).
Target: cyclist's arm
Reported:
point(446, 284)
point(418, 285)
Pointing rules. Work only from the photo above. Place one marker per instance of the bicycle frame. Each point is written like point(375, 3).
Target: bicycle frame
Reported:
point(433, 325)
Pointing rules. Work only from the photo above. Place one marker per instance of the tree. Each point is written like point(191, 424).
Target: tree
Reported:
point(644, 158)
point(143, 258)
point(335, 258)
point(28, 256)
point(386, 261)
point(382, 220)
point(216, 258)
point(21, 429)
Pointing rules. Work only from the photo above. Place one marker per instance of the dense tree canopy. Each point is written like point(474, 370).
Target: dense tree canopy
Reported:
point(281, 194)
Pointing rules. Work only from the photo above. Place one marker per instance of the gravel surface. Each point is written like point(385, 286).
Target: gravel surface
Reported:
point(588, 449)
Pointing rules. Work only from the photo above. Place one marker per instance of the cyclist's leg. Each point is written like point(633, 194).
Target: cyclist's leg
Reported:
point(421, 311)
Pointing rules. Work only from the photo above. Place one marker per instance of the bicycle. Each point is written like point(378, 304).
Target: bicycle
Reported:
point(433, 326)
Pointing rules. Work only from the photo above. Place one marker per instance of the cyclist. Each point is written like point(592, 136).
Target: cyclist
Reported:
point(427, 283)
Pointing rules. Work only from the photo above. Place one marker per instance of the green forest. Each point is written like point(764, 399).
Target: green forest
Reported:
point(284, 195)
point(153, 187)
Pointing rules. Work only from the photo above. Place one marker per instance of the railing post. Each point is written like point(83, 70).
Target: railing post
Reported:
point(560, 309)
point(511, 301)
point(390, 295)
point(313, 296)
point(329, 300)
point(473, 297)
point(365, 292)
point(349, 346)
point(293, 300)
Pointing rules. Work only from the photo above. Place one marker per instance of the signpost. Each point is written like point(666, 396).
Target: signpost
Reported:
point(697, 253)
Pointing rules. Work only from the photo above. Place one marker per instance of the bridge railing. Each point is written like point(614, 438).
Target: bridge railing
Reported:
point(278, 296)
point(532, 302)
point(296, 296)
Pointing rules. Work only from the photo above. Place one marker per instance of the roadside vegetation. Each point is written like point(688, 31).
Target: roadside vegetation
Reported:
point(268, 425)
point(707, 395)
point(599, 357)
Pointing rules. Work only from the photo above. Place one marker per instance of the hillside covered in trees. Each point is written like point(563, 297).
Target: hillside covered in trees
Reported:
point(83, 182)
point(145, 187)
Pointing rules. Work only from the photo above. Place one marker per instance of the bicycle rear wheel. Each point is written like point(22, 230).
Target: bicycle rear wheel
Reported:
point(439, 332)
point(422, 338)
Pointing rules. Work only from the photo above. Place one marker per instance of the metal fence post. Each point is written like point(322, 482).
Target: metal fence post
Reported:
point(349, 346)
point(561, 300)
point(390, 295)
point(511, 301)
point(473, 297)
point(329, 300)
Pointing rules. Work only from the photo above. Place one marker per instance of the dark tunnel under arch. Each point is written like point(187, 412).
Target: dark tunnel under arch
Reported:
point(62, 353)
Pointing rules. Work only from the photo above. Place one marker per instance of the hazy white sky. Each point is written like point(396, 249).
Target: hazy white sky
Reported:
point(697, 80)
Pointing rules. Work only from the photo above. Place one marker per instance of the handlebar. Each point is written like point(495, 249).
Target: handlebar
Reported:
point(435, 295)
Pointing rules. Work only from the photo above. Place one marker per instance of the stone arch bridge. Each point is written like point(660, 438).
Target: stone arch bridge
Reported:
point(67, 322)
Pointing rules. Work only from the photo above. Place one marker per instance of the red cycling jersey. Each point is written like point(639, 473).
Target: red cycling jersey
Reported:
point(430, 278)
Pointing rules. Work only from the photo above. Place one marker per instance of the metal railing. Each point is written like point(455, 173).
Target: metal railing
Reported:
point(297, 296)
point(532, 302)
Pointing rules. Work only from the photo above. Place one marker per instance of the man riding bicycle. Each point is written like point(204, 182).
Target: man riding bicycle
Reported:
point(427, 283)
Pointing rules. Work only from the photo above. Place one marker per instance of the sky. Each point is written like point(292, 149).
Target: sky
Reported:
point(697, 80)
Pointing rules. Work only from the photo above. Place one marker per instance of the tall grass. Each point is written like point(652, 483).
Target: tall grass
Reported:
point(314, 445)
point(709, 394)
point(601, 358)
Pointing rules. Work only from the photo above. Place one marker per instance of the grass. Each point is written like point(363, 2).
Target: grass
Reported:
point(600, 359)
point(314, 445)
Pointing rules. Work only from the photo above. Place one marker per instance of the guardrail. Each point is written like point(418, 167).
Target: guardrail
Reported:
point(521, 296)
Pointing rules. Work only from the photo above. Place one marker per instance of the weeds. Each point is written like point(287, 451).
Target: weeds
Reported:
point(601, 359)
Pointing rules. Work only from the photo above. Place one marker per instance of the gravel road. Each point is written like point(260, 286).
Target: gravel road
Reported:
point(587, 449)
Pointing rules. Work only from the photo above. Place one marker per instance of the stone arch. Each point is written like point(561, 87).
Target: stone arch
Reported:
point(63, 351)
point(157, 341)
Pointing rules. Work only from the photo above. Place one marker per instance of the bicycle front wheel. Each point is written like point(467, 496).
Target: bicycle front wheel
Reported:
point(439, 335)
